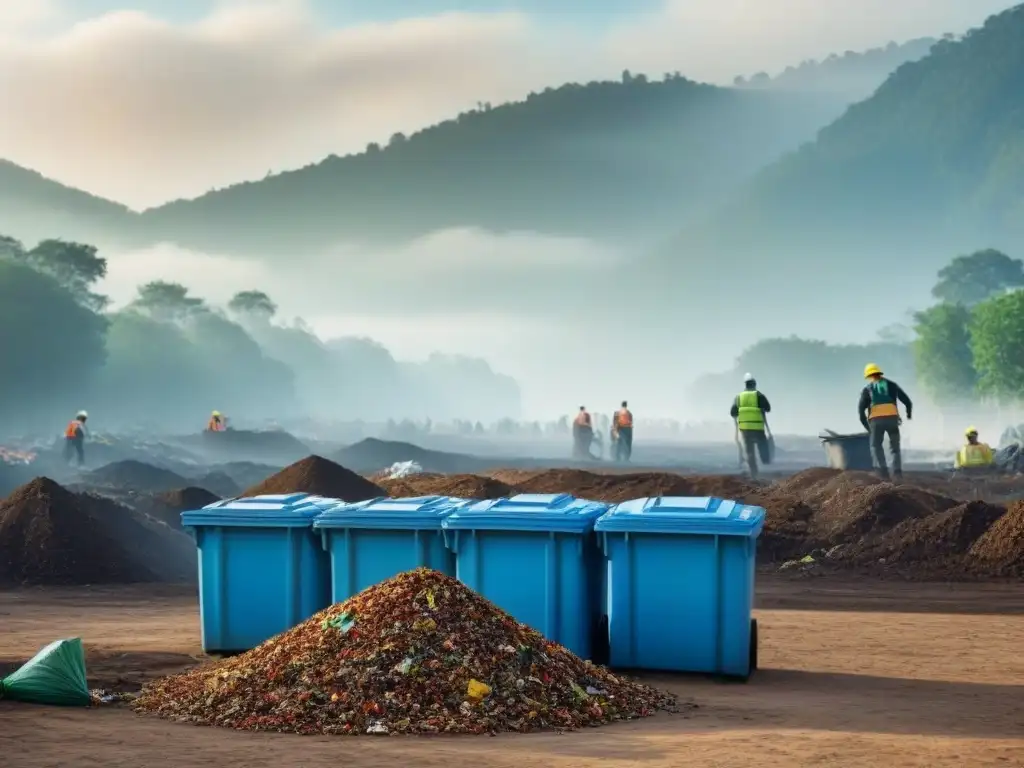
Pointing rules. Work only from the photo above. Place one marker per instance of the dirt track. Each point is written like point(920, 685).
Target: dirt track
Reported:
point(853, 673)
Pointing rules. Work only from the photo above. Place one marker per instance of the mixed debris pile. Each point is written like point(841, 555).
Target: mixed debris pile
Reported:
point(419, 653)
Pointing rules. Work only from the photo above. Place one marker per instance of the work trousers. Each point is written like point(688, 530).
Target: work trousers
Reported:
point(754, 442)
point(73, 446)
point(624, 445)
point(582, 438)
point(878, 429)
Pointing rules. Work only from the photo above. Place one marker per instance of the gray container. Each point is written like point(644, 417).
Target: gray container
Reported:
point(852, 452)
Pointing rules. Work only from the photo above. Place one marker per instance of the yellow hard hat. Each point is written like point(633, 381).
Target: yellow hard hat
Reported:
point(216, 414)
point(871, 370)
point(970, 431)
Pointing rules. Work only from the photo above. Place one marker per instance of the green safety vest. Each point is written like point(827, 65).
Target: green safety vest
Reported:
point(750, 416)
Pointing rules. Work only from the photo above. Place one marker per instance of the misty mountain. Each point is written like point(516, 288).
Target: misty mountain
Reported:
point(597, 160)
point(929, 166)
point(855, 74)
point(33, 207)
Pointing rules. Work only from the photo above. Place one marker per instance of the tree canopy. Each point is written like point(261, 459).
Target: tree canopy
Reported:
point(971, 279)
point(997, 342)
point(942, 353)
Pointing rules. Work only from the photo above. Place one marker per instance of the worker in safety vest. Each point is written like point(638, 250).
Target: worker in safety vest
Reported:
point(880, 416)
point(748, 410)
point(217, 423)
point(622, 433)
point(582, 434)
point(74, 438)
point(974, 455)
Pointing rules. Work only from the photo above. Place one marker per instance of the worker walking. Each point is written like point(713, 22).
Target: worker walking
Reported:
point(748, 411)
point(74, 438)
point(974, 455)
point(217, 423)
point(622, 432)
point(880, 416)
point(582, 434)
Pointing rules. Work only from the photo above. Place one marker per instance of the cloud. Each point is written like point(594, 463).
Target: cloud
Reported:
point(19, 18)
point(142, 110)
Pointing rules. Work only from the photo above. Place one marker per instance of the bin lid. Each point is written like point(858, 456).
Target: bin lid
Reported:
point(411, 513)
point(528, 512)
point(707, 515)
point(287, 510)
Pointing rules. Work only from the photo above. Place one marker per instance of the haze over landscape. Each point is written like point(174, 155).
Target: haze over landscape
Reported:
point(600, 204)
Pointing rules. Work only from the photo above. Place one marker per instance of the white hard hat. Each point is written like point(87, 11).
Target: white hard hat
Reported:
point(748, 377)
point(82, 415)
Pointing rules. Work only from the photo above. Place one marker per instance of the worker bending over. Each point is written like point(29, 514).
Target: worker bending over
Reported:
point(880, 416)
point(748, 411)
point(74, 438)
point(622, 433)
point(582, 434)
point(217, 423)
point(974, 455)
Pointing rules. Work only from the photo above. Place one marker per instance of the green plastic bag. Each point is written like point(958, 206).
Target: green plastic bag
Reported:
point(55, 675)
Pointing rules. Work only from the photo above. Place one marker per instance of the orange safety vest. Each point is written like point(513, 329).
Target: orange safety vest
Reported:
point(583, 419)
point(624, 419)
point(73, 430)
point(215, 426)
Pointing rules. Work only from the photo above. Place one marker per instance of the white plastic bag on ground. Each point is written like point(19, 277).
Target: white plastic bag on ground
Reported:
point(403, 469)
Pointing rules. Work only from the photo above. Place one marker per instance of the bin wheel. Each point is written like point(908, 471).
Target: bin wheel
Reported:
point(753, 647)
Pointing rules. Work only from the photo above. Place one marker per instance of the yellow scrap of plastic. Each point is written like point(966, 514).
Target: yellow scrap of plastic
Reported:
point(477, 690)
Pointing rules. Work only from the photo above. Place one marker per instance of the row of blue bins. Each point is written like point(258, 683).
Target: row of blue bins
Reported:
point(656, 583)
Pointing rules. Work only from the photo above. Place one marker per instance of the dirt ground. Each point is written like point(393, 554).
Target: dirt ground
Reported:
point(852, 674)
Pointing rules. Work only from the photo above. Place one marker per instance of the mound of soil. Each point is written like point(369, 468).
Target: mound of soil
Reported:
point(373, 455)
point(616, 488)
point(459, 486)
point(137, 476)
point(244, 474)
point(167, 507)
point(1000, 550)
point(319, 476)
point(50, 536)
point(419, 653)
point(849, 517)
point(221, 484)
point(934, 545)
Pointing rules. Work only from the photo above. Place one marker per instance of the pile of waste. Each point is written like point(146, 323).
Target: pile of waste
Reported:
point(402, 469)
point(320, 477)
point(419, 653)
point(16, 457)
point(136, 476)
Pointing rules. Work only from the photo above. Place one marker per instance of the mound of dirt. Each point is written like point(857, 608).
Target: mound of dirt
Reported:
point(459, 486)
point(244, 474)
point(1000, 551)
point(219, 483)
point(137, 476)
point(845, 518)
point(616, 488)
point(933, 545)
point(419, 653)
point(319, 476)
point(373, 455)
point(167, 507)
point(50, 536)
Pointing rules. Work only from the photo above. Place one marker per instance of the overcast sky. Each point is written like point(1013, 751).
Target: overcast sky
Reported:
point(152, 100)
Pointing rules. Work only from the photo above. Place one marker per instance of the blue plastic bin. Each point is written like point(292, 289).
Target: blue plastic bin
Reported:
point(261, 568)
point(680, 584)
point(536, 557)
point(370, 541)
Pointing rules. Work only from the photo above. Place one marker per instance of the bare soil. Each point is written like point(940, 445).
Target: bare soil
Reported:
point(853, 673)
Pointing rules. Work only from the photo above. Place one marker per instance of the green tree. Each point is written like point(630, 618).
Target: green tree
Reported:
point(168, 302)
point(971, 279)
point(75, 266)
point(997, 343)
point(942, 352)
point(51, 349)
point(253, 304)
